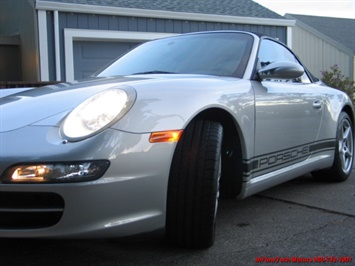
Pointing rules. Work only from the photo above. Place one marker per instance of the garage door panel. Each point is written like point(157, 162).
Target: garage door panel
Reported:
point(92, 56)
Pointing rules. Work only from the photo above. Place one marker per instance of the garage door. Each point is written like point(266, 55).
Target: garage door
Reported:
point(92, 56)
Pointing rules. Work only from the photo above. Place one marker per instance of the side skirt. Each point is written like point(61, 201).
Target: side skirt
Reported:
point(265, 181)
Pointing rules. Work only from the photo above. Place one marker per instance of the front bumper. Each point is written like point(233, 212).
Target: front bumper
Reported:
point(129, 199)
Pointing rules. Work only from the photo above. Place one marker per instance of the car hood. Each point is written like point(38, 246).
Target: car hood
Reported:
point(50, 104)
point(47, 106)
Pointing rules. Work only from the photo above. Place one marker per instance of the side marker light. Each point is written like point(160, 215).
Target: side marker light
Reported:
point(165, 136)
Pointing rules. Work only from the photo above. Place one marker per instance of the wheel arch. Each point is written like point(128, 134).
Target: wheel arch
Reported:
point(233, 151)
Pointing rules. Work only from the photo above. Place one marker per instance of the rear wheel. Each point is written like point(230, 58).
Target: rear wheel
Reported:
point(344, 153)
point(193, 188)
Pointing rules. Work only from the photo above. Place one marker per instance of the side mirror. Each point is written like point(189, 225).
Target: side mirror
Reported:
point(281, 70)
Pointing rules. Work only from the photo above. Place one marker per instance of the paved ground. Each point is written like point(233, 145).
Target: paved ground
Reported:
point(299, 220)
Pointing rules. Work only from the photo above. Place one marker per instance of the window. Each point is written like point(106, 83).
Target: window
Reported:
point(271, 52)
point(221, 54)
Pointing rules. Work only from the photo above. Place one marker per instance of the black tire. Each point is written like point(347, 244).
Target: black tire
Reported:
point(193, 188)
point(344, 153)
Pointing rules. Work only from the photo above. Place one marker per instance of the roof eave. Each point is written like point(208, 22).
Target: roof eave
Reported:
point(147, 13)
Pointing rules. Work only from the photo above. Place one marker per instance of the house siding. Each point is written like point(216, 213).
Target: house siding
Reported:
point(319, 52)
point(51, 46)
point(137, 24)
point(120, 23)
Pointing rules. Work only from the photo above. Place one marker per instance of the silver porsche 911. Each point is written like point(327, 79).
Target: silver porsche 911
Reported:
point(151, 142)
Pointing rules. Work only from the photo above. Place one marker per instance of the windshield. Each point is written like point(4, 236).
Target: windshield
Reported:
point(221, 54)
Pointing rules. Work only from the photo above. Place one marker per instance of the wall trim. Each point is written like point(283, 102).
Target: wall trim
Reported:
point(43, 45)
point(58, 74)
point(289, 37)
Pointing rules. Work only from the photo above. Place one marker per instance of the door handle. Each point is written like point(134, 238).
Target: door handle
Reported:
point(317, 104)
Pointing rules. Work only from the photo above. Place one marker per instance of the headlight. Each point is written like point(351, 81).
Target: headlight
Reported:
point(55, 172)
point(97, 113)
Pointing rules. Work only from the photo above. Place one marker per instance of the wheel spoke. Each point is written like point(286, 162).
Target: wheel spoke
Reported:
point(348, 153)
point(344, 161)
point(346, 132)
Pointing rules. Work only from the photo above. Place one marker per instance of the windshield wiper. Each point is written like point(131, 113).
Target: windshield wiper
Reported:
point(153, 72)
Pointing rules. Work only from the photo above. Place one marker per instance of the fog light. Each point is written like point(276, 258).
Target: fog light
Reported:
point(55, 172)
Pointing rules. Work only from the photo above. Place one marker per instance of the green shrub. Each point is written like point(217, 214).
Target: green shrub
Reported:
point(335, 79)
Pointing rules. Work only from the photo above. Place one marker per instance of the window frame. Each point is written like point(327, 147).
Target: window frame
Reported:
point(307, 75)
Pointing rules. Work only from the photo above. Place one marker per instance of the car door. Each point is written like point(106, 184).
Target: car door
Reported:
point(288, 114)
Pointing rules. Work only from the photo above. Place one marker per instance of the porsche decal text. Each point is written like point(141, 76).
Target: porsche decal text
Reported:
point(281, 157)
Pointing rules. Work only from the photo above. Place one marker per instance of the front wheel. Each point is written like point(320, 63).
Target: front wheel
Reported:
point(193, 188)
point(344, 153)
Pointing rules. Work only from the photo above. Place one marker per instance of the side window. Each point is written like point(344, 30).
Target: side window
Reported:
point(271, 52)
